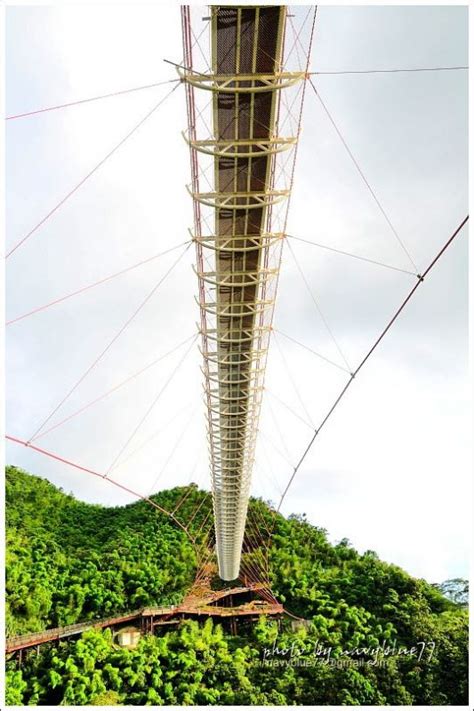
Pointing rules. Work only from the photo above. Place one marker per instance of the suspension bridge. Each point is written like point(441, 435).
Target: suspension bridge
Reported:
point(246, 75)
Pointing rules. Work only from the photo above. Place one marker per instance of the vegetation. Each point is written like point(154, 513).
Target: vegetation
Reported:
point(362, 645)
point(68, 561)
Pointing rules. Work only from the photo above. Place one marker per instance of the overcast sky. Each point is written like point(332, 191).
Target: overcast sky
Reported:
point(390, 472)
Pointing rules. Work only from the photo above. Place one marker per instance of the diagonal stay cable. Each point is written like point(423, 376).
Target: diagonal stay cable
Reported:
point(88, 100)
point(196, 511)
point(189, 481)
point(367, 356)
point(291, 379)
point(69, 463)
point(265, 461)
point(278, 431)
point(94, 284)
point(110, 344)
point(198, 44)
point(90, 173)
point(297, 35)
point(252, 545)
point(277, 449)
point(287, 407)
point(97, 399)
point(359, 170)
point(298, 343)
point(151, 406)
point(101, 96)
point(206, 549)
point(323, 319)
point(259, 469)
point(148, 440)
point(176, 445)
point(351, 254)
point(391, 71)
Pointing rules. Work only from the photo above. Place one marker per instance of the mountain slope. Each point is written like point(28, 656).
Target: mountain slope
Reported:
point(69, 561)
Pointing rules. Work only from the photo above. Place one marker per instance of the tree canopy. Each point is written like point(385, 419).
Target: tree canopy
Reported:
point(69, 561)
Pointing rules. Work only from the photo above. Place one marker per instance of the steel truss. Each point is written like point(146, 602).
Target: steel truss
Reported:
point(237, 291)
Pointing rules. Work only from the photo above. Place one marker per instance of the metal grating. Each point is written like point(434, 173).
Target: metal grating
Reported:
point(237, 293)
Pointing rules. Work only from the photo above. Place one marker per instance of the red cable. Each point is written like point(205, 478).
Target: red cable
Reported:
point(392, 71)
point(108, 346)
point(196, 510)
point(96, 283)
point(97, 474)
point(85, 101)
point(150, 408)
point(112, 390)
point(71, 192)
point(317, 430)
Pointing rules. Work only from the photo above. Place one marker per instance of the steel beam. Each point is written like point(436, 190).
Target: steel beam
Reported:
point(236, 277)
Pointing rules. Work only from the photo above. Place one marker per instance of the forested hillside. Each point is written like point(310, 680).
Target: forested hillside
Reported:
point(69, 561)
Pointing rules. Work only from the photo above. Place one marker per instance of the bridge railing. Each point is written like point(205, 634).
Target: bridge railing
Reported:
point(31, 638)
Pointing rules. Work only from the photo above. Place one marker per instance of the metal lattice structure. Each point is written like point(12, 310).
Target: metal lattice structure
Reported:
point(239, 227)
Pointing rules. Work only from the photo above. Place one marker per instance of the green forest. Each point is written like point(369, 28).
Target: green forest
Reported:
point(374, 635)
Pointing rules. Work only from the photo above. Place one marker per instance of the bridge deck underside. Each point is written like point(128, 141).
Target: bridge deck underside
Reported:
point(246, 40)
